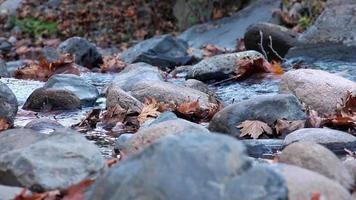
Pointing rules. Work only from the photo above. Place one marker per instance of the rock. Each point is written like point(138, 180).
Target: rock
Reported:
point(224, 32)
point(86, 92)
point(317, 158)
point(170, 93)
point(51, 99)
point(9, 7)
point(334, 140)
point(218, 67)
point(350, 164)
point(165, 116)
point(198, 85)
point(282, 39)
point(43, 162)
point(136, 73)
point(86, 54)
point(7, 192)
point(332, 36)
point(265, 108)
point(44, 125)
point(8, 104)
point(303, 184)
point(50, 54)
point(318, 89)
point(224, 175)
point(263, 148)
point(13, 66)
point(162, 51)
point(116, 96)
point(3, 69)
point(120, 142)
point(5, 46)
point(148, 135)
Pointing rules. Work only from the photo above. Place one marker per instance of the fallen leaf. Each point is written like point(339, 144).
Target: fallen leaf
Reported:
point(254, 128)
point(148, 111)
point(189, 107)
point(112, 64)
point(315, 196)
point(91, 120)
point(76, 192)
point(284, 127)
point(28, 195)
point(247, 66)
point(4, 125)
point(314, 120)
point(112, 162)
point(276, 68)
point(211, 50)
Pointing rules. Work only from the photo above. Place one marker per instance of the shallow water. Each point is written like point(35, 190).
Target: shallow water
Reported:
point(228, 92)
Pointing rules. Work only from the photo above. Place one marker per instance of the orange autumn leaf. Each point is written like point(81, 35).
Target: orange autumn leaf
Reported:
point(76, 192)
point(189, 107)
point(276, 68)
point(4, 125)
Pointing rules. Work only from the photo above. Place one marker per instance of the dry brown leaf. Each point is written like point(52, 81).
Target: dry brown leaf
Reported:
point(76, 192)
point(211, 50)
point(150, 109)
point(4, 125)
point(247, 66)
point(189, 107)
point(27, 195)
point(276, 68)
point(112, 64)
point(314, 121)
point(284, 127)
point(254, 128)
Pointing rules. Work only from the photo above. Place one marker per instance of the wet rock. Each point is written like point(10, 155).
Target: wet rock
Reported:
point(170, 93)
point(332, 36)
point(51, 99)
point(148, 135)
point(86, 54)
point(163, 51)
point(263, 148)
point(86, 92)
point(136, 73)
point(318, 89)
point(198, 85)
point(282, 39)
point(116, 96)
point(44, 125)
point(165, 116)
point(3, 69)
point(317, 158)
point(226, 175)
point(9, 6)
point(334, 140)
point(265, 108)
point(5, 46)
point(8, 104)
point(303, 184)
point(50, 54)
point(43, 162)
point(218, 67)
point(12, 66)
point(226, 31)
point(350, 164)
point(7, 192)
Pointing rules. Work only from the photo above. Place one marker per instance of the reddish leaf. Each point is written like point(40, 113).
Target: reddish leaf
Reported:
point(76, 192)
point(4, 124)
point(189, 107)
point(284, 127)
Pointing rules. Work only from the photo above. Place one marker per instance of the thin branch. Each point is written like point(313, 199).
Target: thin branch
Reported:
point(274, 51)
point(261, 45)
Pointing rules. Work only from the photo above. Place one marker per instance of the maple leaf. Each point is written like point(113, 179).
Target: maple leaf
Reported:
point(112, 64)
point(247, 66)
point(150, 109)
point(284, 127)
point(254, 128)
point(189, 107)
point(4, 124)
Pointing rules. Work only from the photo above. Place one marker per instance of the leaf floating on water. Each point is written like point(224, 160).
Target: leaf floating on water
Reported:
point(254, 128)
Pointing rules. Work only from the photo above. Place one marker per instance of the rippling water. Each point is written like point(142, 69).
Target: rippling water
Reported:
point(228, 92)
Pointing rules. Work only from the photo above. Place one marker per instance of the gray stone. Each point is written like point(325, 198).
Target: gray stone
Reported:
point(7, 192)
point(226, 31)
point(44, 125)
point(303, 184)
point(86, 92)
point(317, 158)
point(9, 7)
point(3, 69)
point(43, 99)
point(220, 66)
point(350, 164)
point(116, 96)
point(198, 85)
point(332, 36)
point(282, 39)
point(8, 104)
point(136, 73)
point(145, 136)
point(334, 140)
point(265, 108)
point(5, 46)
point(318, 89)
point(43, 162)
point(86, 54)
point(162, 51)
point(188, 167)
point(13, 66)
point(263, 148)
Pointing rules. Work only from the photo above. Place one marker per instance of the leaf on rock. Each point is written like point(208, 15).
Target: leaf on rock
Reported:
point(189, 107)
point(284, 127)
point(314, 120)
point(4, 125)
point(149, 110)
point(348, 107)
point(112, 64)
point(27, 195)
point(276, 68)
point(76, 192)
point(247, 66)
point(91, 120)
point(211, 50)
point(254, 128)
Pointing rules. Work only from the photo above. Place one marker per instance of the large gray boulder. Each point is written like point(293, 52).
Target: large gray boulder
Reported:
point(116, 96)
point(334, 140)
point(86, 54)
point(320, 90)
point(136, 73)
point(303, 184)
point(86, 92)
point(8, 104)
point(332, 36)
point(224, 32)
point(220, 66)
point(43, 162)
point(188, 167)
point(265, 108)
point(319, 159)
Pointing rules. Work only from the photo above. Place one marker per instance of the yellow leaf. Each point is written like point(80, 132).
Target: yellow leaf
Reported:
point(148, 110)
point(254, 128)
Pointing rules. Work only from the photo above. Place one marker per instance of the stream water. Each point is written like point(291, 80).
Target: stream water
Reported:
point(228, 92)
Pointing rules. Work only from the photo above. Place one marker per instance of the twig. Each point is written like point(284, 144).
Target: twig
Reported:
point(261, 45)
point(276, 53)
